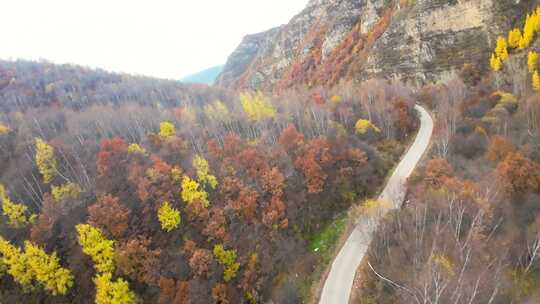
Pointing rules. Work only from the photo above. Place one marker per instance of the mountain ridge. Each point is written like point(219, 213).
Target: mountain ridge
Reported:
point(413, 41)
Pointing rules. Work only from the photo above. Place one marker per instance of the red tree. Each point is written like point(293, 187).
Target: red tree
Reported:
point(519, 174)
point(137, 261)
point(290, 138)
point(200, 261)
point(110, 215)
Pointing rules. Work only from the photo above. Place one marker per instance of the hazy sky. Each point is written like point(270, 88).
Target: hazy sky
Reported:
point(162, 38)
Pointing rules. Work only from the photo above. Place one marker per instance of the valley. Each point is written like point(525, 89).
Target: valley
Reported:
point(365, 152)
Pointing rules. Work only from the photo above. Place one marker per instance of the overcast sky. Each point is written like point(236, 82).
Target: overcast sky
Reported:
point(161, 38)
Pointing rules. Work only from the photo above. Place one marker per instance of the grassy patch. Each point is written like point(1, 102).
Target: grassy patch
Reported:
point(323, 242)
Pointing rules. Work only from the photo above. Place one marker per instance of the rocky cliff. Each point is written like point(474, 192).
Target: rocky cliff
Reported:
point(416, 41)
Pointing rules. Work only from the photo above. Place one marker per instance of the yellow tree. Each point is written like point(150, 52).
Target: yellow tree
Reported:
point(191, 192)
point(495, 63)
point(363, 126)
point(109, 292)
point(226, 258)
point(136, 149)
point(15, 264)
point(100, 249)
point(47, 270)
point(166, 129)
point(514, 36)
point(536, 81)
point(257, 107)
point(65, 191)
point(16, 213)
point(501, 50)
point(529, 30)
point(201, 165)
point(45, 160)
point(532, 61)
point(168, 217)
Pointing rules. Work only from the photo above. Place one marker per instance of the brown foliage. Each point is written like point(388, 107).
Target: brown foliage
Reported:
point(137, 261)
point(173, 292)
point(200, 261)
point(111, 156)
point(110, 215)
point(41, 231)
point(470, 74)
point(499, 148)
point(219, 294)
point(310, 158)
point(519, 174)
point(250, 274)
point(275, 212)
point(158, 183)
point(253, 161)
point(215, 229)
point(438, 171)
point(273, 182)
point(246, 202)
point(405, 124)
point(197, 211)
point(290, 138)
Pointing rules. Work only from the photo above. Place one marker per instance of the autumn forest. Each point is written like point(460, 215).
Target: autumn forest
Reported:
point(121, 189)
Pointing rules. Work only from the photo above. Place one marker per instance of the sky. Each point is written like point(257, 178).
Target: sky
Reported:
point(159, 38)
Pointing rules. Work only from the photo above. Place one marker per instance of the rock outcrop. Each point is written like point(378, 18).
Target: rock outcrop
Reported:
point(416, 41)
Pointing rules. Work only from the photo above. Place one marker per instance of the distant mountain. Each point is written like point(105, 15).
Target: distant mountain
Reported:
point(207, 76)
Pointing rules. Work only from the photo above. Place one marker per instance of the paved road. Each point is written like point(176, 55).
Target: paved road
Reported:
point(337, 288)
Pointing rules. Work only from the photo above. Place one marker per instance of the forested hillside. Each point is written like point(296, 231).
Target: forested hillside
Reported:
point(118, 189)
point(26, 84)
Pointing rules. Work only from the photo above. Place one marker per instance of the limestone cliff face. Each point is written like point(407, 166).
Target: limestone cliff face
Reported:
point(416, 41)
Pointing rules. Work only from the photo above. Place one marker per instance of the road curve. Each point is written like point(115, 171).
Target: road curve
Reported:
point(337, 288)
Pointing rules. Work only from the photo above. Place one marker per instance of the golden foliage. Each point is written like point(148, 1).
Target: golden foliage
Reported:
point(191, 192)
point(66, 191)
point(136, 149)
point(532, 61)
point(166, 129)
point(535, 81)
point(45, 160)
point(495, 63)
point(362, 126)
point(501, 50)
point(35, 264)
point(47, 270)
point(109, 292)
point(531, 27)
point(257, 107)
point(201, 165)
point(16, 213)
point(100, 249)
point(15, 263)
point(514, 36)
point(227, 258)
point(169, 217)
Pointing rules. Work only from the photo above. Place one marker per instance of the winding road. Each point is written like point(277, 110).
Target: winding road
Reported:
point(338, 284)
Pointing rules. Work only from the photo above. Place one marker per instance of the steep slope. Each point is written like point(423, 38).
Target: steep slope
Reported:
point(415, 41)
